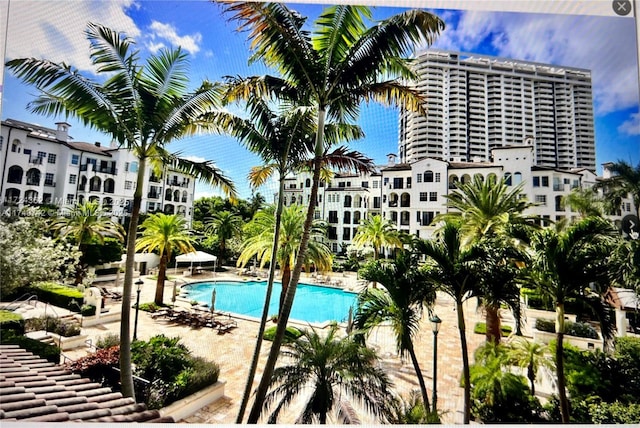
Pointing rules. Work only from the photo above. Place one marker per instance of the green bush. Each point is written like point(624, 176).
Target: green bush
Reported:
point(481, 328)
point(109, 340)
point(88, 310)
point(149, 307)
point(50, 353)
point(576, 329)
point(10, 321)
point(54, 325)
point(614, 413)
point(59, 295)
point(291, 334)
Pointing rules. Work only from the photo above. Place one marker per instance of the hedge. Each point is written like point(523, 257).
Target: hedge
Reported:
point(290, 334)
point(577, 329)
point(50, 353)
point(481, 328)
point(60, 295)
point(10, 321)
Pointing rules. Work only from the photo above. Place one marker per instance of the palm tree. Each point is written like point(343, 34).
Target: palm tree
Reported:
point(84, 223)
point(225, 225)
point(489, 208)
point(164, 233)
point(378, 233)
point(585, 202)
point(572, 264)
point(452, 267)
point(329, 367)
point(411, 411)
point(625, 182)
point(332, 69)
point(143, 108)
point(406, 292)
point(260, 245)
point(530, 355)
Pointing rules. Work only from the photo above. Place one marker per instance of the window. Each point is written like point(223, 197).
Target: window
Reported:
point(51, 158)
point(423, 196)
point(73, 179)
point(507, 178)
point(347, 217)
point(541, 199)
point(536, 181)
point(307, 183)
point(27, 151)
point(75, 159)
point(69, 198)
point(347, 201)
point(433, 196)
point(376, 202)
point(42, 155)
point(385, 181)
point(333, 216)
point(126, 167)
point(398, 183)
point(365, 184)
point(517, 178)
point(376, 184)
point(419, 178)
point(346, 234)
point(428, 176)
point(128, 185)
point(545, 181)
point(437, 177)
point(15, 146)
point(133, 167)
point(48, 179)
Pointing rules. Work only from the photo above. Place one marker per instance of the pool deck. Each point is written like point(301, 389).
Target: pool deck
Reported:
point(233, 351)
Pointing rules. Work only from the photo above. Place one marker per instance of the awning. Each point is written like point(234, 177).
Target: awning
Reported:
point(196, 257)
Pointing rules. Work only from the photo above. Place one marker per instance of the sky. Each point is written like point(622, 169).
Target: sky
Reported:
point(606, 45)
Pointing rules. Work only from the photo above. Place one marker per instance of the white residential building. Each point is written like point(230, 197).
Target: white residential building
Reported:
point(476, 103)
point(42, 166)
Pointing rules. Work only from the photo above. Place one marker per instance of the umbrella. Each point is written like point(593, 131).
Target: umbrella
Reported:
point(175, 291)
point(350, 320)
point(213, 300)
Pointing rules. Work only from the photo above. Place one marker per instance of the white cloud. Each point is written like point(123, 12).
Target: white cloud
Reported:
point(55, 29)
point(190, 42)
point(155, 47)
point(194, 158)
point(603, 45)
point(631, 126)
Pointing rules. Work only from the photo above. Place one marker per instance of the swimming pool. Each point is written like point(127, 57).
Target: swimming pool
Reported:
point(314, 304)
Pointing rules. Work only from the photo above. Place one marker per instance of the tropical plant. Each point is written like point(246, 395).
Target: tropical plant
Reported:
point(143, 107)
point(624, 182)
point(530, 355)
point(411, 411)
point(163, 233)
point(329, 367)
point(586, 202)
point(452, 267)
point(331, 69)
point(85, 223)
point(260, 245)
point(401, 302)
point(225, 225)
point(572, 264)
point(377, 233)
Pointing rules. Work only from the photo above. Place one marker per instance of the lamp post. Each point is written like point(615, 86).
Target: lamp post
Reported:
point(435, 326)
point(139, 283)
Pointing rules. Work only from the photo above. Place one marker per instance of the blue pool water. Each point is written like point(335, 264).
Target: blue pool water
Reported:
point(314, 304)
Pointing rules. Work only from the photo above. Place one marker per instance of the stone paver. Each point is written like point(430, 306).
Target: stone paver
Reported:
point(233, 352)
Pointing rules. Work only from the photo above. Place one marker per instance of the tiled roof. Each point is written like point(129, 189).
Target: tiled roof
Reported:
point(33, 389)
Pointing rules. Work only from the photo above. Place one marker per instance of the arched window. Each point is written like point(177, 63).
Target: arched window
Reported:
point(109, 185)
point(167, 195)
point(357, 201)
point(466, 179)
point(507, 178)
point(347, 201)
point(307, 182)
point(517, 178)
point(15, 175)
point(94, 199)
point(559, 203)
point(404, 218)
point(405, 200)
point(479, 177)
point(33, 177)
point(393, 200)
point(169, 209)
point(453, 181)
point(428, 176)
point(107, 203)
point(80, 199)
point(176, 196)
point(12, 196)
point(30, 197)
point(95, 184)
point(184, 196)
point(83, 183)
point(182, 210)
point(15, 146)
point(357, 216)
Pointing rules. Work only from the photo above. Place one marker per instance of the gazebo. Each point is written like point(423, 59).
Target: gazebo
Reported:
point(198, 257)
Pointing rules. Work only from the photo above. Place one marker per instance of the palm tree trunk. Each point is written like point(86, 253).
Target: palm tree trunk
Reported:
point(286, 279)
point(126, 374)
point(267, 301)
point(283, 316)
point(465, 362)
point(532, 379)
point(492, 320)
point(423, 386)
point(162, 275)
point(562, 393)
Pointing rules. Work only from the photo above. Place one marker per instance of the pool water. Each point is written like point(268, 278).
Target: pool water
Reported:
point(314, 304)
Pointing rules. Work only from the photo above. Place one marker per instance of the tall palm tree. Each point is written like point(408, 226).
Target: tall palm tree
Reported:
point(333, 68)
point(164, 233)
point(84, 223)
point(452, 267)
point(572, 264)
point(260, 245)
point(624, 182)
point(530, 355)
point(378, 233)
point(225, 225)
point(585, 202)
point(489, 209)
point(401, 302)
point(328, 366)
point(143, 108)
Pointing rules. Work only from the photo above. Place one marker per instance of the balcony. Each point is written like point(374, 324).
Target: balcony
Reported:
point(153, 195)
point(35, 160)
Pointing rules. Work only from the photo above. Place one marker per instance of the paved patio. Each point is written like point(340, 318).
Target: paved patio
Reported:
point(233, 351)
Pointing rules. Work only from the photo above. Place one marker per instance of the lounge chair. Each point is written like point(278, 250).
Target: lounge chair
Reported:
point(225, 324)
point(114, 295)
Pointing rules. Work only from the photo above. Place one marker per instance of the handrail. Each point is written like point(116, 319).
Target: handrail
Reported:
point(26, 297)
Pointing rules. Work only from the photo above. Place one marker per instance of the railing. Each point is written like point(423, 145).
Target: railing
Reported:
point(15, 304)
point(36, 161)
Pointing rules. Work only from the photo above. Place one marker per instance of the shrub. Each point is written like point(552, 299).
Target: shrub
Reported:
point(149, 307)
point(614, 413)
point(159, 358)
point(10, 321)
point(577, 329)
point(50, 353)
point(52, 324)
point(88, 310)
point(291, 334)
point(481, 328)
point(60, 295)
point(99, 366)
point(202, 373)
point(109, 340)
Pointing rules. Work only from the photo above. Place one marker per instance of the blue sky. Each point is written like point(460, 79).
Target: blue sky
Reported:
point(54, 30)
